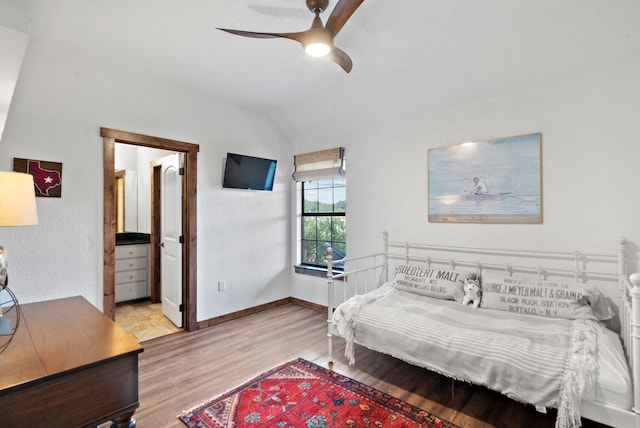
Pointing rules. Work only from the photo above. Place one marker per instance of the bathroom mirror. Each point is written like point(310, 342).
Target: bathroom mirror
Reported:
point(126, 190)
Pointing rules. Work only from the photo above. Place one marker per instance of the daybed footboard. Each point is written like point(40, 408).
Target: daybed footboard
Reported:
point(631, 340)
point(369, 273)
point(609, 271)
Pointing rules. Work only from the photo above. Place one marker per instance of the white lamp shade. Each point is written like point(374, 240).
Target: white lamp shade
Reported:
point(17, 199)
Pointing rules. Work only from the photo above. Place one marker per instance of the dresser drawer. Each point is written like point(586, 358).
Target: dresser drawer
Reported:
point(131, 291)
point(131, 276)
point(131, 264)
point(126, 251)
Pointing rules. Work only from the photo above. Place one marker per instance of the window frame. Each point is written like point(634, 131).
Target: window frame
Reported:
point(315, 268)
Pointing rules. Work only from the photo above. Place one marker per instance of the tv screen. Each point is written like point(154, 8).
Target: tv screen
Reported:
point(249, 172)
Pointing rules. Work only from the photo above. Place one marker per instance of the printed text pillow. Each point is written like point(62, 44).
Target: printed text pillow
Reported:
point(555, 299)
point(438, 283)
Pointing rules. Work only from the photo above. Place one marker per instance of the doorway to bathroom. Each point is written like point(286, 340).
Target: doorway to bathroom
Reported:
point(148, 272)
point(180, 239)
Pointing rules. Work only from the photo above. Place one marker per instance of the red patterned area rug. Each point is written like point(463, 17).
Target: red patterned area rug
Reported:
point(302, 394)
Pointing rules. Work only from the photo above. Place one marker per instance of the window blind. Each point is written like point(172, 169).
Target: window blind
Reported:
point(322, 165)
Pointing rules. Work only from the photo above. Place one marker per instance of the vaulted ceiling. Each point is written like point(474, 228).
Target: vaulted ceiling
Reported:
point(409, 56)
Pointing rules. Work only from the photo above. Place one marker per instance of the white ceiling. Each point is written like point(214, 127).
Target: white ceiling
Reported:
point(409, 56)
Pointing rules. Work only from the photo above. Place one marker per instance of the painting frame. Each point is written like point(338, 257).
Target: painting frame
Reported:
point(47, 176)
point(493, 181)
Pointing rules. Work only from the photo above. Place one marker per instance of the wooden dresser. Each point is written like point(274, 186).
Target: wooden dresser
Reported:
point(68, 366)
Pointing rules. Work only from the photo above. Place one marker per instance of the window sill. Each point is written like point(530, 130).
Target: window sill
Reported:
point(314, 271)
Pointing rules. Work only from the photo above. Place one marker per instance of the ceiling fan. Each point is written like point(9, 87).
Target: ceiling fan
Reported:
point(317, 40)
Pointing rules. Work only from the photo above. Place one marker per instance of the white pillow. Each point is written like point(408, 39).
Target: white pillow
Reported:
point(438, 283)
point(554, 299)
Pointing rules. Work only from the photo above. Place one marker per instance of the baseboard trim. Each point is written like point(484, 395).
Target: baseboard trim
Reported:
point(310, 305)
point(264, 307)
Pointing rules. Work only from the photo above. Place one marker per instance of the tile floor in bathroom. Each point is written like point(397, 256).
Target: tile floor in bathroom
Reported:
point(144, 319)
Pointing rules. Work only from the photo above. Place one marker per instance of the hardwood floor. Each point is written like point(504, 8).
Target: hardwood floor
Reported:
point(182, 370)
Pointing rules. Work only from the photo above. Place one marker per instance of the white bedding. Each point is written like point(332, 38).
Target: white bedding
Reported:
point(613, 381)
point(547, 362)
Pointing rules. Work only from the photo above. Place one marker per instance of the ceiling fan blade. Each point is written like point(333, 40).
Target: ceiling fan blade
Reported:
point(341, 58)
point(340, 14)
point(298, 37)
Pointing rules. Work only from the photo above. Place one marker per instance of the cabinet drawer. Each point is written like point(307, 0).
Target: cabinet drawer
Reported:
point(131, 276)
point(131, 291)
point(131, 264)
point(125, 251)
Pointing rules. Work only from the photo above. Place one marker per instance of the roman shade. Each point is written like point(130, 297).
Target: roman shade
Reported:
point(322, 165)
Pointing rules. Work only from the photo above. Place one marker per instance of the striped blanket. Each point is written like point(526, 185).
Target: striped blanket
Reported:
point(547, 362)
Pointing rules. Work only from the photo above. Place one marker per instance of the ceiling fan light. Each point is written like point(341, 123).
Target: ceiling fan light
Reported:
point(317, 49)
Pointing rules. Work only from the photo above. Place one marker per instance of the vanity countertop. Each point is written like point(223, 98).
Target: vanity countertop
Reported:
point(132, 238)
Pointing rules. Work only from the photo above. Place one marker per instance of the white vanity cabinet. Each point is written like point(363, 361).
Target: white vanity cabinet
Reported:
point(132, 272)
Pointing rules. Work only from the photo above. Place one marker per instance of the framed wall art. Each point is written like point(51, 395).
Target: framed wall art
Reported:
point(47, 176)
point(488, 181)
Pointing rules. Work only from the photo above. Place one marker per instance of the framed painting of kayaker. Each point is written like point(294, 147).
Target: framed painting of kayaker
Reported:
point(488, 181)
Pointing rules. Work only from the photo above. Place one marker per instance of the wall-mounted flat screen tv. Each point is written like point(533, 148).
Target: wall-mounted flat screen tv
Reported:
point(249, 172)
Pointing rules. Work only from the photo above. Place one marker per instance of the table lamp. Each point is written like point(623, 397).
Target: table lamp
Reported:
point(17, 208)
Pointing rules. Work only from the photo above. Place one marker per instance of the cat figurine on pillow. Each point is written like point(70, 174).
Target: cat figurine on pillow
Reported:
point(472, 292)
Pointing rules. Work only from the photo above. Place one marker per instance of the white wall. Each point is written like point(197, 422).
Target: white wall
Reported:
point(60, 103)
point(14, 36)
point(136, 160)
point(590, 131)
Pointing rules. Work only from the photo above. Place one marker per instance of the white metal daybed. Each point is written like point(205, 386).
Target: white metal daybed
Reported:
point(589, 360)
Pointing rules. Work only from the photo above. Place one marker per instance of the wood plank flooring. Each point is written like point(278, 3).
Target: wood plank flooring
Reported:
point(182, 370)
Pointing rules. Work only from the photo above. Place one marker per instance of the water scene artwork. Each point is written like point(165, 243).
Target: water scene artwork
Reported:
point(489, 181)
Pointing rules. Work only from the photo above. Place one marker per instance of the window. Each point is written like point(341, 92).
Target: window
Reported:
point(323, 206)
point(323, 221)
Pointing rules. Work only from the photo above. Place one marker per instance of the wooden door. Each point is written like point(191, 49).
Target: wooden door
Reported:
point(171, 238)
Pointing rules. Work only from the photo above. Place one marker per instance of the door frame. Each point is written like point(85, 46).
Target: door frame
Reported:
point(189, 217)
point(155, 274)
